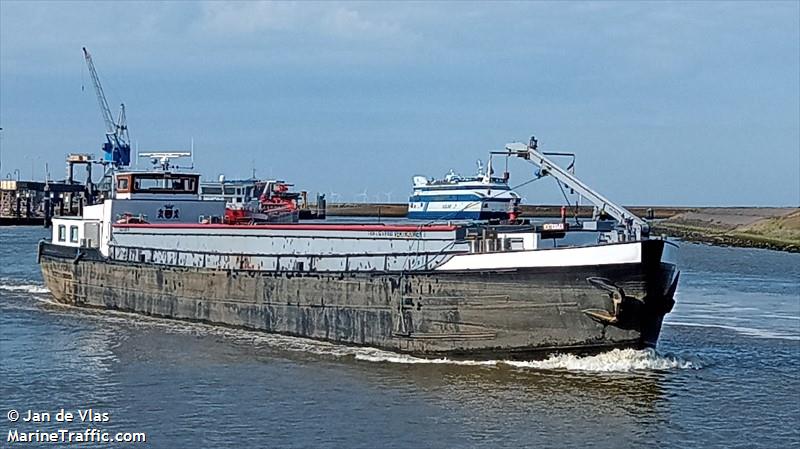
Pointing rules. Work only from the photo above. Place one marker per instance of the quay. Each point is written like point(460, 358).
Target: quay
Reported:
point(33, 203)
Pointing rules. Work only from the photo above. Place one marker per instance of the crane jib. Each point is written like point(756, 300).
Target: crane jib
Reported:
point(621, 214)
point(116, 149)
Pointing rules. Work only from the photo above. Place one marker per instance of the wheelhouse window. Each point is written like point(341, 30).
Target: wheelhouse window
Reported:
point(62, 233)
point(73, 234)
point(158, 183)
point(123, 184)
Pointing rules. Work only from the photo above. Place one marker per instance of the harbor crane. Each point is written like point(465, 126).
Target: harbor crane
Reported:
point(634, 226)
point(117, 148)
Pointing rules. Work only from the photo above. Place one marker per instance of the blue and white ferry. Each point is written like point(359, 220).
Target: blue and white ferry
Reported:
point(479, 197)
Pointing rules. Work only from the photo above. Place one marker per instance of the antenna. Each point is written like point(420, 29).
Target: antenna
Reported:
point(162, 158)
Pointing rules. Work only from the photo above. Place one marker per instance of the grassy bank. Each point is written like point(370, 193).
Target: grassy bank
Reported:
point(770, 228)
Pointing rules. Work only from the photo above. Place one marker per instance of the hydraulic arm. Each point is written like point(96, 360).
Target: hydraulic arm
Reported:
point(626, 218)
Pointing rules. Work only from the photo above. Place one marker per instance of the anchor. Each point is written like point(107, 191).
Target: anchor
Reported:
point(617, 295)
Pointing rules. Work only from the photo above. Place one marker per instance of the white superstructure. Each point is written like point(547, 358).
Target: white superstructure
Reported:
point(152, 197)
point(479, 197)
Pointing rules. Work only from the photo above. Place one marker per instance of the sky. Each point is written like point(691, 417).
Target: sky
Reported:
point(686, 103)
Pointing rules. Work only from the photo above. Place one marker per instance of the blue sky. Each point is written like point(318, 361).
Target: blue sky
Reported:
point(684, 103)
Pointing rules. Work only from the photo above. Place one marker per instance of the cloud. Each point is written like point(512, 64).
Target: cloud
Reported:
point(351, 22)
point(148, 35)
point(244, 18)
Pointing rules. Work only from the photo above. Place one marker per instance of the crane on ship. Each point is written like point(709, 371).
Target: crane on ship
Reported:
point(634, 226)
point(117, 148)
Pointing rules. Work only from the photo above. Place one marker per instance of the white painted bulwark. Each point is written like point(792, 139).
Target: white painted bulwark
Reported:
point(623, 253)
point(284, 239)
point(288, 247)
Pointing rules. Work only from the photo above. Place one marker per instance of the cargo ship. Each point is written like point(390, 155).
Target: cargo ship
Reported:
point(461, 290)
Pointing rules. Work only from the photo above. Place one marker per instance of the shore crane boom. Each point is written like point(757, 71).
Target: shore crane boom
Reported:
point(625, 217)
point(117, 147)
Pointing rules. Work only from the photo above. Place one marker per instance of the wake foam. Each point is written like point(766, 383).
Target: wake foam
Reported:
point(24, 288)
point(616, 360)
point(378, 356)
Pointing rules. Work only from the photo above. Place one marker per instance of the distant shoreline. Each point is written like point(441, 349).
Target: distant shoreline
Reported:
point(776, 228)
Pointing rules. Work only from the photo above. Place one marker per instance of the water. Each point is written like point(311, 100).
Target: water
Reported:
point(726, 374)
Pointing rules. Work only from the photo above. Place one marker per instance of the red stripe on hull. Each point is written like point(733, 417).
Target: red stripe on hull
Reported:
point(299, 227)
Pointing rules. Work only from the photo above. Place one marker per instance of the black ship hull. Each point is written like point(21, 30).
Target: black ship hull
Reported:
point(516, 313)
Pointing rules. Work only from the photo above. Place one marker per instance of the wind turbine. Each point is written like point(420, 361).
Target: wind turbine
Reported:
point(388, 196)
point(363, 195)
point(334, 196)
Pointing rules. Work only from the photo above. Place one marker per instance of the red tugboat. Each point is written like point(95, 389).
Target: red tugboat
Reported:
point(276, 203)
point(252, 201)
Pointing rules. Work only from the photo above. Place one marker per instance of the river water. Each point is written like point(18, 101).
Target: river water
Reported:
point(726, 374)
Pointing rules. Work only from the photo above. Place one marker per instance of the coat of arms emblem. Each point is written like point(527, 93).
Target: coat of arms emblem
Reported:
point(169, 212)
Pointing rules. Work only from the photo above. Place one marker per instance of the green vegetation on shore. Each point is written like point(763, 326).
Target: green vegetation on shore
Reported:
point(769, 228)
